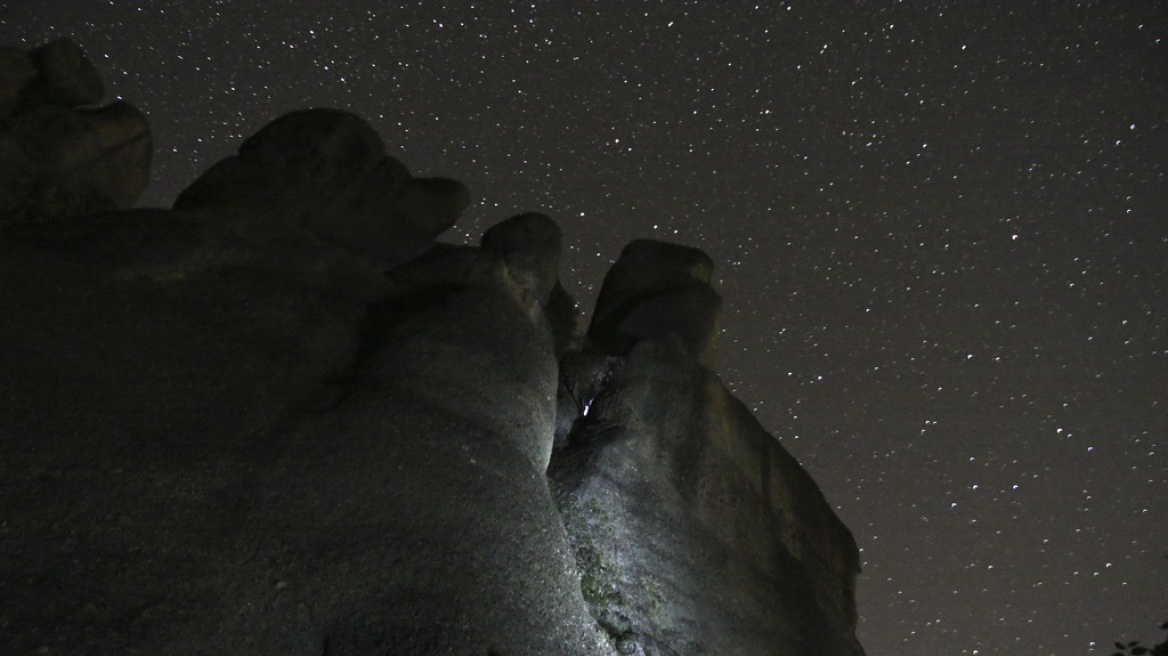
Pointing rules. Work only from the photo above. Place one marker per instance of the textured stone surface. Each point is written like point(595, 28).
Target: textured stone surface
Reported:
point(226, 436)
point(280, 419)
point(658, 291)
point(58, 159)
point(530, 245)
point(327, 170)
point(695, 532)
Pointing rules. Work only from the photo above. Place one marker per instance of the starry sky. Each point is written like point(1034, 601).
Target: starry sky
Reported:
point(941, 230)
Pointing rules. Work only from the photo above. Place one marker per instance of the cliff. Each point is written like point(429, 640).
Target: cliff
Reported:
point(281, 418)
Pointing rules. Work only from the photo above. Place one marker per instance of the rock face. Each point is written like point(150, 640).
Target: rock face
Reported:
point(695, 532)
point(281, 419)
point(530, 246)
point(327, 171)
point(60, 155)
point(225, 435)
point(660, 292)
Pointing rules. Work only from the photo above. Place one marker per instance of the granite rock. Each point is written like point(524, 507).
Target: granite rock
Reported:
point(281, 419)
point(530, 244)
point(327, 170)
point(659, 291)
point(694, 530)
point(57, 158)
point(225, 435)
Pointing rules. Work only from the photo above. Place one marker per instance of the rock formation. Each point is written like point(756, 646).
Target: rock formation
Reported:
point(326, 171)
point(280, 418)
point(695, 532)
point(60, 154)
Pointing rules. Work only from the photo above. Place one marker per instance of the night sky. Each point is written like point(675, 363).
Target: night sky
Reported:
point(941, 231)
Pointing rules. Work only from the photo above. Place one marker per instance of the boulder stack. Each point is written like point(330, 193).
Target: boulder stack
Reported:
point(281, 418)
point(695, 531)
point(326, 170)
point(60, 153)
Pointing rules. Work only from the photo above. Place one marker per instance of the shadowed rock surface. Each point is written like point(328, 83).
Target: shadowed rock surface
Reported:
point(224, 435)
point(326, 170)
point(232, 457)
point(60, 155)
point(661, 292)
point(695, 532)
point(530, 245)
point(281, 419)
point(65, 76)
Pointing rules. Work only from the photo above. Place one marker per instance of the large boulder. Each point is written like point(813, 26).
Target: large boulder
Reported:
point(530, 246)
point(694, 530)
point(224, 435)
point(59, 154)
point(658, 291)
point(326, 170)
point(65, 76)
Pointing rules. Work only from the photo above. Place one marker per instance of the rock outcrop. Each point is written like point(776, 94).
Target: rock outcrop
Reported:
point(326, 171)
point(281, 419)
point(660, 292)
point(695, 532)
point(60, 154)
point(226, 435)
